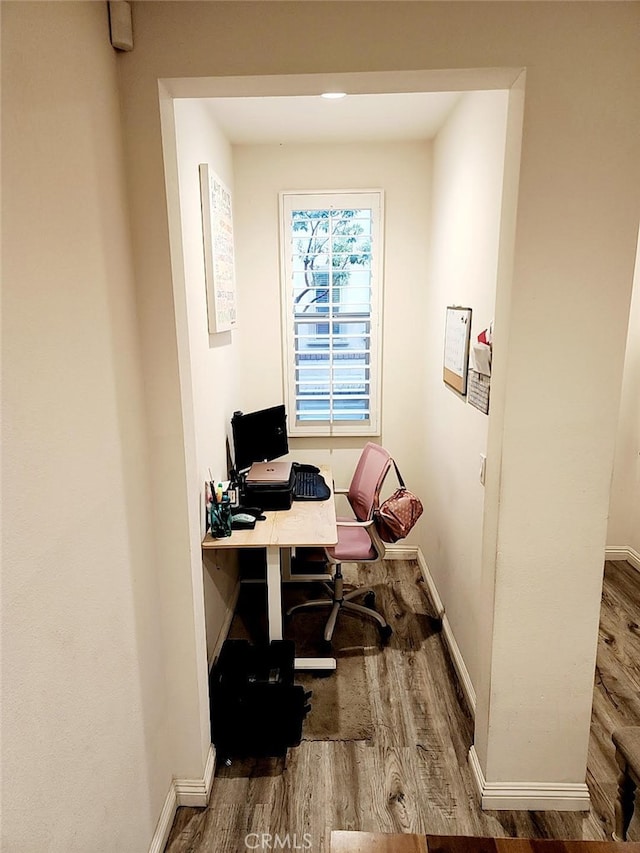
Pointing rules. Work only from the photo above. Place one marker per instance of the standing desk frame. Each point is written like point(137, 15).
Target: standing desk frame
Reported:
point(306, 524)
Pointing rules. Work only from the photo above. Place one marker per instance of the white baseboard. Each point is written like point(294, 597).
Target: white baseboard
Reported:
point(458, 661)
point(454, 649)
point(528, 796)
point(623, 552)
point(400, 552)
point(183, 792)
point(633, 557)
point(195, 792)
point(165, 822)
point(431, 586)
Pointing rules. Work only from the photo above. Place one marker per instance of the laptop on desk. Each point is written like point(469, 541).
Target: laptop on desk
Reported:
point(269, 474)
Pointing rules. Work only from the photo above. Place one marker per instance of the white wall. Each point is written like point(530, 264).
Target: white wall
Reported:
point(213, 358)
point(86, 760)
point(467, 199)
point(624, 511)
point(550, 452)
point(83, 672)
point(402, 170)
point(176, 482)
point(568, 277)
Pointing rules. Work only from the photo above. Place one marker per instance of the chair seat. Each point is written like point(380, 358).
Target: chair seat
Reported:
point(354, 544)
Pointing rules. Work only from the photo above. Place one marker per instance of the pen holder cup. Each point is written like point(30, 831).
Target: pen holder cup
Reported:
point(220, 519)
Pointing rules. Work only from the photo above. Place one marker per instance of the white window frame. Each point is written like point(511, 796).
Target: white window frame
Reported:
point(325, 200)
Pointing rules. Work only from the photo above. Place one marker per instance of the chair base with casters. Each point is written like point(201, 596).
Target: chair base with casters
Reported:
point(341, 600)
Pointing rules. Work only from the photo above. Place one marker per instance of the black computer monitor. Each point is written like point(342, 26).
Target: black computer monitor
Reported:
point(259, 436)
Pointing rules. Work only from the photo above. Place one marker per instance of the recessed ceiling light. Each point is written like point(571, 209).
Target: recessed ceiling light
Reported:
point(333, 96)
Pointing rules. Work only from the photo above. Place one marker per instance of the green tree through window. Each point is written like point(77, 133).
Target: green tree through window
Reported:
point(332, 290)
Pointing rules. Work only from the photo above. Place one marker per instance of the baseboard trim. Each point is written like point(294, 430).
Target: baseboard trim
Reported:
point(431, 586)
point(400, 552)
point(458, 662)
point(449, 637)
point(623, 552)
point(195, 792)
point(183, 792)
point(528, 796)
point(165, 822)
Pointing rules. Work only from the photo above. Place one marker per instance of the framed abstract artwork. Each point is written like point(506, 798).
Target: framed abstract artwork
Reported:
point(219, 264)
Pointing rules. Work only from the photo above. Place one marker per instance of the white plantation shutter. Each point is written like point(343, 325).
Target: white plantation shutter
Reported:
point(331, 296)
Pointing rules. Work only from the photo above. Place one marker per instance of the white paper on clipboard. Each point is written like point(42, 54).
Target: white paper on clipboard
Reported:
point(456, 347)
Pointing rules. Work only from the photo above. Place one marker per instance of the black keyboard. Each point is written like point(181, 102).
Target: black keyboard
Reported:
point(310, 487)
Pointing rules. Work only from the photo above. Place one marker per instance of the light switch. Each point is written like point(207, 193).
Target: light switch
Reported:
point(483, 467)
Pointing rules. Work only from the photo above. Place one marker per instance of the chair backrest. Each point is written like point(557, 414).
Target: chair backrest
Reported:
point(367, 480)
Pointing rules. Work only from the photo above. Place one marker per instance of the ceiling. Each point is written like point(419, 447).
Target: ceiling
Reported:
point(305, 119)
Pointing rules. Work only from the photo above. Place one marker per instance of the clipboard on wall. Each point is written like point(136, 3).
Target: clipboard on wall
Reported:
point(457, 335)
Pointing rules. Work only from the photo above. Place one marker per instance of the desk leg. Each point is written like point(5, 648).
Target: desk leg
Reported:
point(274, 609)
point(274, 593)
point(285, 564)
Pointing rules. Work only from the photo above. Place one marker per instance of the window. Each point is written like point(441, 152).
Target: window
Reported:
point(331, 297)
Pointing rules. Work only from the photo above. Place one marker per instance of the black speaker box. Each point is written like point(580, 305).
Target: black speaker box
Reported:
point(256, 709)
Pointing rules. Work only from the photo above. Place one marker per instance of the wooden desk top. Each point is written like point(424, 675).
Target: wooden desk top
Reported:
point(306, 523)
point(378, 842)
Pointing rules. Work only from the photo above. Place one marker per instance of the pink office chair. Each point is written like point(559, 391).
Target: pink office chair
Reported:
point(358, 542)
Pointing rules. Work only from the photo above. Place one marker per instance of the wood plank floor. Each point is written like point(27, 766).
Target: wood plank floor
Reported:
point(413, 776)
point(616, 698)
